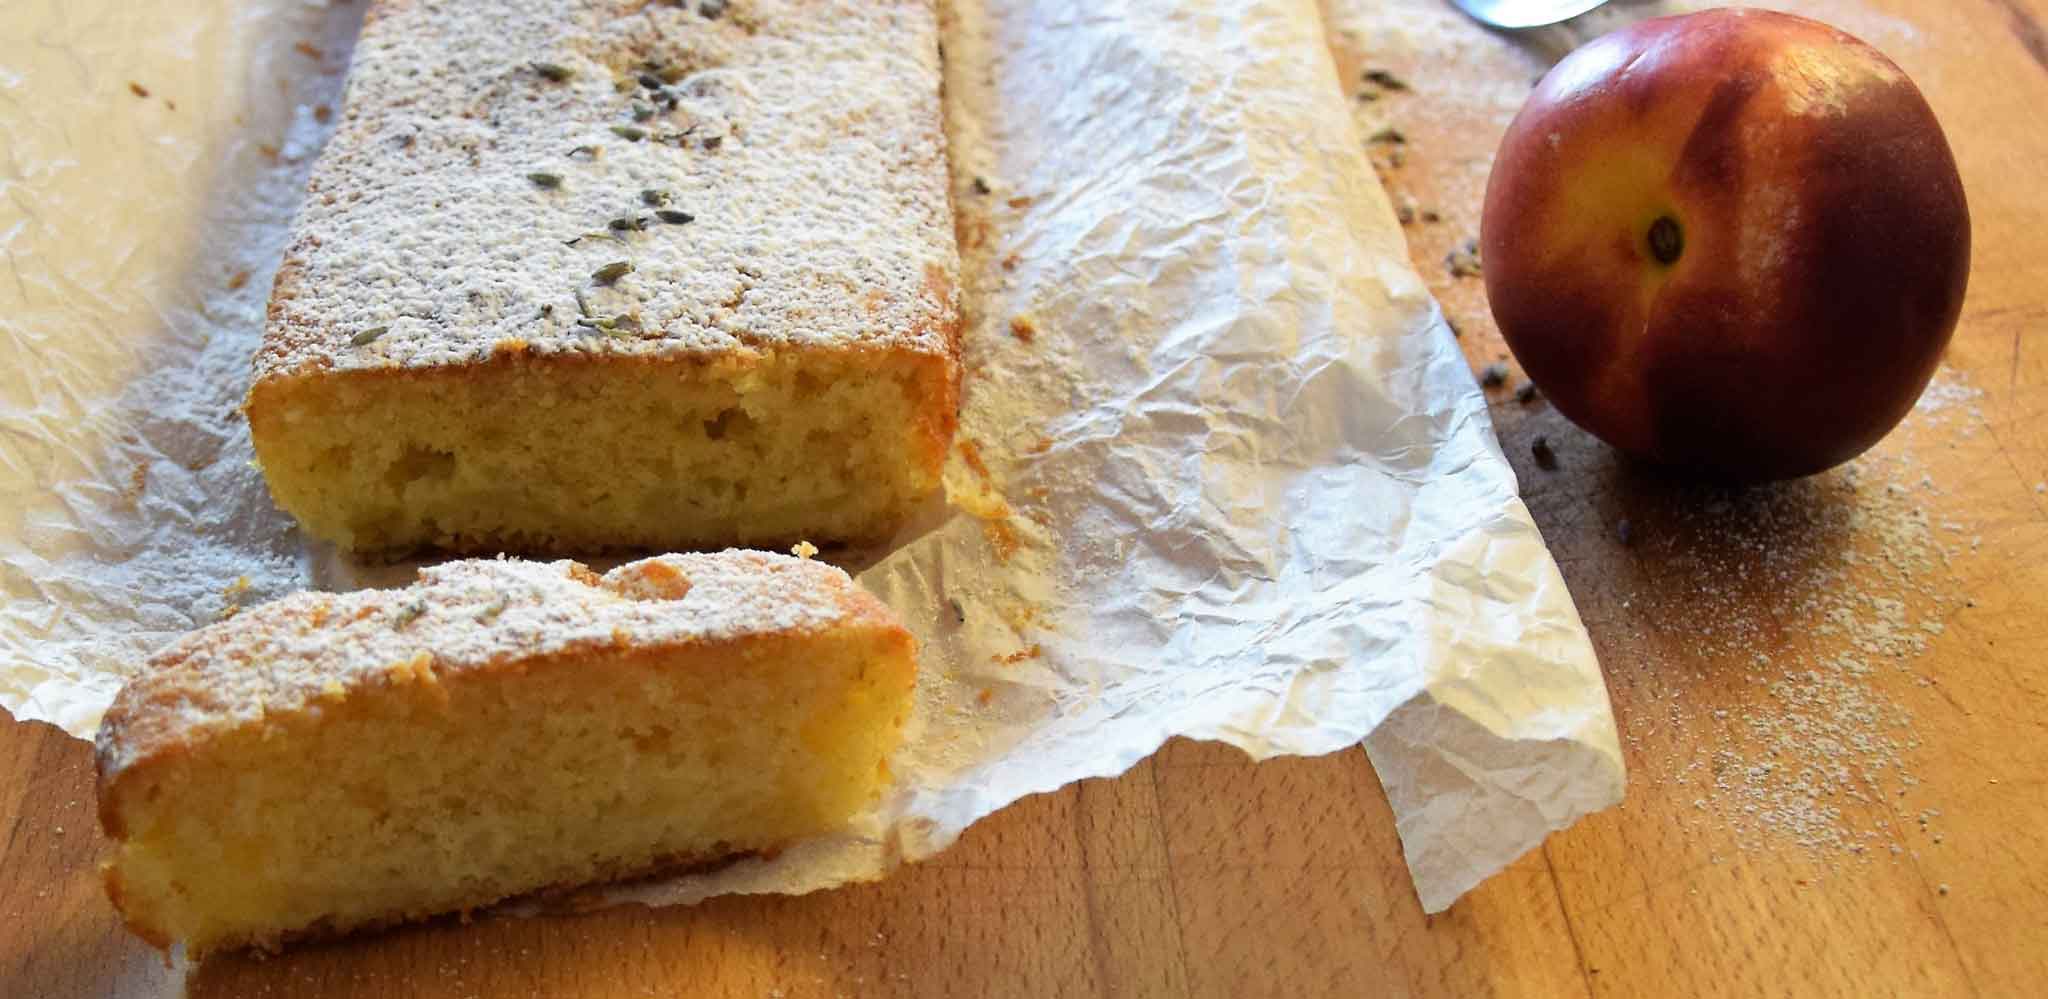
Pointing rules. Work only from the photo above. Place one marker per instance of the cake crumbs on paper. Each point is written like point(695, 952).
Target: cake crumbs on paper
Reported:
point(803, 549)
point(1023, 327)
point(1031, 651)
point(231, 598)
point(1002, 538)
point(138, 484)
point(138, 89)
point(971, 454)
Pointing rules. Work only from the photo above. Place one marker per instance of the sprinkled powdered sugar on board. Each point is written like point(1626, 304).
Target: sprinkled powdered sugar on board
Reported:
point(1824, 593)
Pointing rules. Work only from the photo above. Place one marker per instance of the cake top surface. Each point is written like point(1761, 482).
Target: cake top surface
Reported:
point(624, 177)
point(291, 653)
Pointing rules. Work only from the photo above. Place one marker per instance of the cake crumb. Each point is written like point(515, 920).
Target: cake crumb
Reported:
point(137, 89)
point(804, 549)
point(1031, 651)
point(1023, 327)
point(1002, 538)
point(971, 454)
point(1464, 262)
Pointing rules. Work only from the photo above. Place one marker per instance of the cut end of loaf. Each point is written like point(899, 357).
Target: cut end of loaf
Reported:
point(419, 793)
point(592, 453)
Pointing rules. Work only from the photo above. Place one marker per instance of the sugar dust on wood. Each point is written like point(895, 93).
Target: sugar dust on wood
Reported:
point(1822, 595)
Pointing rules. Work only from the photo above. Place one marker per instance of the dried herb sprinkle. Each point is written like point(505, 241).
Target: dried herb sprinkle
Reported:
point(545, 181)
point(1386, 80)
point(553, 72)
point(368, 335)
point(673, 217)
point(612, 272)
point(409, 613)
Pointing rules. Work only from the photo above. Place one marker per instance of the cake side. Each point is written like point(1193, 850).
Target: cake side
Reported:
point(333, 761)
point(721, 189)
point(578, 453)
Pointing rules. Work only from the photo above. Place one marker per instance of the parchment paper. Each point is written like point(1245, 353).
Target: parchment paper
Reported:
point(1223, 472)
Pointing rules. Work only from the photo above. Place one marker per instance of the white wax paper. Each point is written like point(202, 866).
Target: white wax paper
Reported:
point(1223, 472)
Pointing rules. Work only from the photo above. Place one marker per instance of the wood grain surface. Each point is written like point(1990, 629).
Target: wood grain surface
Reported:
point(1199, 874)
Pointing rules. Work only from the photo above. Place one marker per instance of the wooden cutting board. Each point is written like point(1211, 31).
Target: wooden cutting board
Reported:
point(1200, 874)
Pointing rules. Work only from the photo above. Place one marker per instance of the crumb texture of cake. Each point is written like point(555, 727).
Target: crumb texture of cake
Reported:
point(328, 762)
point(577, 275)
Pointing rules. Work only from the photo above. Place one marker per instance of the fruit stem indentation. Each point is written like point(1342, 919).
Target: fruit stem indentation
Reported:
point(1667, 240)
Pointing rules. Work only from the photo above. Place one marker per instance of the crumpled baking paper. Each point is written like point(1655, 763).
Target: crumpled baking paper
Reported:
point(1222, 472)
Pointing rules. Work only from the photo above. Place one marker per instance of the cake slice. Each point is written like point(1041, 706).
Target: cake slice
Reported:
point(583, 275)
point(333, 761)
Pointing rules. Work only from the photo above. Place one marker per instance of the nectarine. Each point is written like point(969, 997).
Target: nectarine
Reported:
point(1733, 242)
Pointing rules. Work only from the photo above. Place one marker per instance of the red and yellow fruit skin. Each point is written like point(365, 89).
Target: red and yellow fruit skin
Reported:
point(1826, 242)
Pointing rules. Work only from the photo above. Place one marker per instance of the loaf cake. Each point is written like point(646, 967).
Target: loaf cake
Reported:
point(585, 275)
point(328, 762)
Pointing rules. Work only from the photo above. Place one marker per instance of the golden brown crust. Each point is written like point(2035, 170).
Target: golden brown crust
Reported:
point(475, 618)
point(582, 896)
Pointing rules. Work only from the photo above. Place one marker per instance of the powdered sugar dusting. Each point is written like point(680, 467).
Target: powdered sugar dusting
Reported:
point(1824, 594)
point(769, 176)
point(467, 615)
